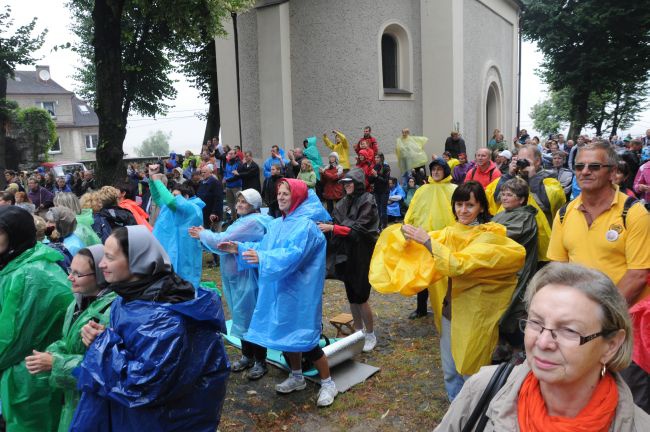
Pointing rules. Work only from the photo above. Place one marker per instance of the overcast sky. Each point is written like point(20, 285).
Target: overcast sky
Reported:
point(181, 121)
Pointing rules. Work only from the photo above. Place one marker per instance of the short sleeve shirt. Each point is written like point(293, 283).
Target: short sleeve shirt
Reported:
point(607, 245)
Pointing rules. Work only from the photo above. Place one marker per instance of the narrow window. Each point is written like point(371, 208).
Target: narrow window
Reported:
point(389, 61)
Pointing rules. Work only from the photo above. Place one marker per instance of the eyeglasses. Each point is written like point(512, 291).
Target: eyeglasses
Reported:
point(591, 166)
point(77, 275)
point(563, 336)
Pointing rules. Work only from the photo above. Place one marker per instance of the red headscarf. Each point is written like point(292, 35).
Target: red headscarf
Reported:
point(299, 191)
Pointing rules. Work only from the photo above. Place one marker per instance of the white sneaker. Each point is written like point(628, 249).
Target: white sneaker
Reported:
point(370, 343)
point(326, 395)
point(291, 384)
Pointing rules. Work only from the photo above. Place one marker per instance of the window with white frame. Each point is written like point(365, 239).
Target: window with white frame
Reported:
point(395, 62)
point(91, 142)
point(56, 147)
point(49, 107)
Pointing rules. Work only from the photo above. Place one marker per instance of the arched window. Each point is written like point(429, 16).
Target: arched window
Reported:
point(389, 61)
point(395, 62)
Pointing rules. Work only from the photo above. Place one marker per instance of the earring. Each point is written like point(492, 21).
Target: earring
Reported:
point(603, 370)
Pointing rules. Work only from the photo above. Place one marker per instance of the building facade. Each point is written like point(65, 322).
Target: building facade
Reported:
point(309, 66)
point(77, 124)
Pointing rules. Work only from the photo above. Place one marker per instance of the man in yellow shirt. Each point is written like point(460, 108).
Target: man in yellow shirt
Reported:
point(599, 230)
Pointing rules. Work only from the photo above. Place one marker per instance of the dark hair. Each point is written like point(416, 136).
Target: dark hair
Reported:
point(623, 167)
point(128, 189)
point(517, 186)
point(369, 128)
point(184, 189)
point(8, 196)
point(85, 252)
point(381, 156)
point(121, 234)
point(464, 193)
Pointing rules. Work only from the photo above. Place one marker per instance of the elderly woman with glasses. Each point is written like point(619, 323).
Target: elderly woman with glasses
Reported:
point(577, 337)
point(92, 301)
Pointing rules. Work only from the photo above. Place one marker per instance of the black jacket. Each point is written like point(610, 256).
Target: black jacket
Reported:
point(250, 175)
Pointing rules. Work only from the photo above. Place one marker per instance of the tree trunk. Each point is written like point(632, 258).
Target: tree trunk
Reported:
point(616, 116)
point(3, 121)
point(213, 122)
point(579, 103)
point(107, 16)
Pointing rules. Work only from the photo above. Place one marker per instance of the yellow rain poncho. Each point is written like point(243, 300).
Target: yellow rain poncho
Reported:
point(556, 198)
point(410, 152)
point(482, 264)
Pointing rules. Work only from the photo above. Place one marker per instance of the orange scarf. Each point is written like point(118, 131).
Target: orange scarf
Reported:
point(597, 416)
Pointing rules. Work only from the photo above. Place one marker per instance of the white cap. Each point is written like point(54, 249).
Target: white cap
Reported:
point(506, 154)
point(252, 197)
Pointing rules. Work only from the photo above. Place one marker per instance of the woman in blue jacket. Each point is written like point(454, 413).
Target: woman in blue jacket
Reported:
point(396, 197)
point(240, 285)
point(290, 260)
point(161, 364)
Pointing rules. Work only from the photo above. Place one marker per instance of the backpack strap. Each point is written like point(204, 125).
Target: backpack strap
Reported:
point(629, 202)
point(473, 172)
point(562, 212)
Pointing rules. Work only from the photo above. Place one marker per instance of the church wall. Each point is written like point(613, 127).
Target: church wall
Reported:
point(489, 45)
point(335, 73)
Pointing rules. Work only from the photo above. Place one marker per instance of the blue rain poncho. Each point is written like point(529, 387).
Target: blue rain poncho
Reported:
point(157, 367)
point(177, 215)
point(239, 285)
point(291, 268)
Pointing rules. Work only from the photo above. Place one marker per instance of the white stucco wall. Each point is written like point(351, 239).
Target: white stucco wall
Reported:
point(489, 54)
point(335, 73)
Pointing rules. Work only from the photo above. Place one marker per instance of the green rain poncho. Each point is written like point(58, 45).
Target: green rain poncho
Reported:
point(68, 352)
point(34, 294)
point(84, 228)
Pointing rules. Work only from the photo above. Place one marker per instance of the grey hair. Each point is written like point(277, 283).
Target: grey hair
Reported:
point(537, 155)
point(69, 200)
point(612, 157)
point(600, 289)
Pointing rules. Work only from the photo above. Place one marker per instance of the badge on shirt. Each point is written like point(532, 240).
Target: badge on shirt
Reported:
point(613, 232)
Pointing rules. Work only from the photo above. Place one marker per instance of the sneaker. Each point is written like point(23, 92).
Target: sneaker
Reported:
point(257, 371)
point(291, 384)
point(242, 364)
point(326, 395)
point(371, 342)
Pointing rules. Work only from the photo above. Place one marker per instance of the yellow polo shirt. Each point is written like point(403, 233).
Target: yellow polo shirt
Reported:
point(605, 245)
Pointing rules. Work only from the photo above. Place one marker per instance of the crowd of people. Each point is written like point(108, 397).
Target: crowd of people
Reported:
point(103, 318)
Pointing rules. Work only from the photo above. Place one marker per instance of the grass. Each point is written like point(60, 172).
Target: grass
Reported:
point(407, 394)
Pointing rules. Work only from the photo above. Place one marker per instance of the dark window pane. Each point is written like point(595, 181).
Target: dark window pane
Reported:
point(389, 60)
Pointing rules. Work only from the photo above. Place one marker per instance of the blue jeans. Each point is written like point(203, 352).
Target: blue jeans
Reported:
point(382, 207)
point(453, 380)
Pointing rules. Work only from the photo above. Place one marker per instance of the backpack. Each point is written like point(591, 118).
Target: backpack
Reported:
point(629, 202)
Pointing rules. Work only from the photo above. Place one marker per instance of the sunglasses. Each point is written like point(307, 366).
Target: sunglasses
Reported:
point(591, 166)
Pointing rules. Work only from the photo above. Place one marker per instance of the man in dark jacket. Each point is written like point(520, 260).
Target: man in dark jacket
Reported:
point(380, 188)
point(455, 144)
point(249, 172)
point(211, 192)
point(39, 196)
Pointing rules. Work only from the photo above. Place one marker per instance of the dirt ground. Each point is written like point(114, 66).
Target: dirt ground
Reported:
point(406, 395)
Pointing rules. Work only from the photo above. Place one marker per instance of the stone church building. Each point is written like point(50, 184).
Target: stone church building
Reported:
point(309, 66)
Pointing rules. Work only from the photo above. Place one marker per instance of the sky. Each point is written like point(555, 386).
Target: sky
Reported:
point(181, 121)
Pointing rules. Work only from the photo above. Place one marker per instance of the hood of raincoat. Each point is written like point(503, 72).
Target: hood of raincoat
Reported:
point(146, 254)
point(336, 155)
point(442, 163)
point(64, 219)
point(368, 154)
point(204, 307)
point(298, 190)
point(357, 176)
point(18, 224)
point(172, 155)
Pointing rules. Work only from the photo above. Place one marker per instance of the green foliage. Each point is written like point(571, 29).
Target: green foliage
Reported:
point(32, 128)
point(157, 144)
point(552, 114)
point(16, 48)
point(589, 47)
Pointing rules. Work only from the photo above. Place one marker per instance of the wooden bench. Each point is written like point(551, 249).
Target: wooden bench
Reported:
point(343, 324)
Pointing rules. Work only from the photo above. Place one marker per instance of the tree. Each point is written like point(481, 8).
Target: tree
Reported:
point(129, 45)
point(199, 64)
point(31, 134)
point(15, 48)
point(157, 144)
point(589, 46)
point(552, 114)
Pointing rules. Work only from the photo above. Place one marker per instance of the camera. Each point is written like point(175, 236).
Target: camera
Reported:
point(522, 163)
